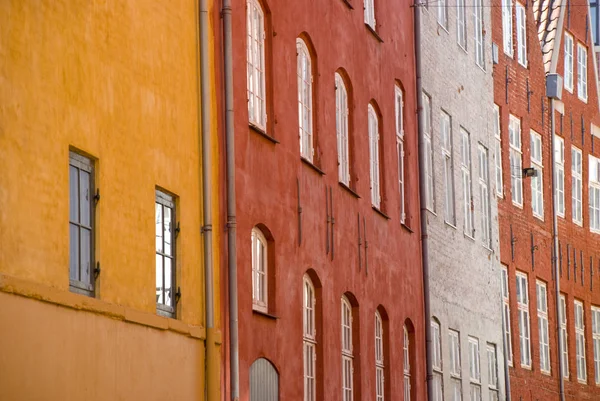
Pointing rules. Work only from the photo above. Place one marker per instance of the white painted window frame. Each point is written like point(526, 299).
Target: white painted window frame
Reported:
point(309, 339)
point(448, 163)
point(465, 167)
point(498, 154)
point(506, 316)
point(596, 341)
point(559, 161)
point(437, 363)
point(594, 193)
point(347, 351)
point(507, 27)
point(524, 321)
point(427, 138)
point(379, 359)
point(516, 161)
point(406, 365)
point(474, 369)
point(492, 358)
point(400, 150)
point(256, 69)
point(577, 185)
point(479, 33)
point(341, 124)
point(565, 334)
point(375, 174)
point(582, 71)
point(305, 100)
point(455, 365)
point(484, 196)
point(260, 269)
point(521, 12)
point(543, 334)
point(461, 24)
point(580, 341)
point(369, 6)
point(568, 67)
point(537, 182)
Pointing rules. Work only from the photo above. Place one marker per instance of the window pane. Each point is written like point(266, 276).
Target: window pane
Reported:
point(167, 230)
point(159, 280)
point(74, 252)
point(86, 256)
point(73, 194)
point(168, 280)
point(159, 225)
point(85, 198)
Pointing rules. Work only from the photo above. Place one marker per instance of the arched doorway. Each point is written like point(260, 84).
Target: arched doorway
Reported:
point(264, 381)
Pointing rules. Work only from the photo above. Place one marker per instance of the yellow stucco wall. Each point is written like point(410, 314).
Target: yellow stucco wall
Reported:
point(119, 81)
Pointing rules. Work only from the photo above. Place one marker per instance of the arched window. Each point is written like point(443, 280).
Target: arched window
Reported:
point(400, 149)
point(379, 361)
point(341, 124)
point(305, 100)
point(370, 13)
point(347, 351)
point(309, 339)
point(259, 271)
point(407, 380)
point(255, 53)
point(374, 156)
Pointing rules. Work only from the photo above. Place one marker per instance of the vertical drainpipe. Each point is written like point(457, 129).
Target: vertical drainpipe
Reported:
point(210, 374)
point(231, 212)
point(555, 240)
point(423, 201)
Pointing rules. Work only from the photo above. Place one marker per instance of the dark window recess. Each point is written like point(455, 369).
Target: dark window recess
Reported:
point(166, 232)
point(81, 224)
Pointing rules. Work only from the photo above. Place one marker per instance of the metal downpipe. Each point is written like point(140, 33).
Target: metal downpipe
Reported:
point(423, 205)
point(555, 257)
point(231, 200)
point(205, 139)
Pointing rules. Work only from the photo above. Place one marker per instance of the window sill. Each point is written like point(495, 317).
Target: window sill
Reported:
point(584, 101)
point(517, 205)
point(545, 372)
point(526, 367)
point(311, 165)
point(347, 188)
point(381, 213)
point(521, 64)
point(462, 48)
point(165, 311)
point(578, 223)
point(263, 133)
point(594, 231)
point(407, 228)
point(450, 224)
point(540, 218)
point(374, 32)
point(445, 29)
point(265, 314)
point(472, 238)
point(581, 381)
point(348, 4)
point(431, 211)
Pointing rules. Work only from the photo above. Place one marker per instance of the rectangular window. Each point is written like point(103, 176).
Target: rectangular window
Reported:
point(446, 131)
point(443, 14)
point(81, 224)
point(537, 189)
point(429, 186)
point(580, 342)
point(516, 162)
point(259, 271)
point(400, 150)
point(374, 152)
point(455, 370)
point(596, 340)
point(506, 316)
point(582, 72)
point(165, 254)
point(479, 32)
point(465, 167)
point(484, 194)
point(594, 193)
point(461, 21)
point(437, 362)
point(407, 380)
point(568, 62)
point(498, 153)
point(524, 332)
point(507, 26)
point(475, 371)
point(492, 371)
point(542, 313)
point(521, 35)
point(559, 161)
point(576, 181)
point(563, 328)
point(255, 30)
point(347, 352)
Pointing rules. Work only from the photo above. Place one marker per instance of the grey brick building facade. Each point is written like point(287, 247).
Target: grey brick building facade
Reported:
point(464, 263)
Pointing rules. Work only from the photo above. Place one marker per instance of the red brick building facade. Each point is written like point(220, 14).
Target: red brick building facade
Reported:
point(327, 240)
point(525, 220)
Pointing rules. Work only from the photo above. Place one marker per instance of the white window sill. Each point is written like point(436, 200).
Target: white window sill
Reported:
point(462, 48)
point(539, 217)
point(526, 367)
point(524, 65)
point(562, 216)
point(511, 54)
point(578, 223)
point(444, 28)
point(570, 90)
point(546, 372)
point(581, 381)
point(472, 238)
point(594, 231)
point(499, 195)
point(584, 100)
point(520, 206)
point(451, 225)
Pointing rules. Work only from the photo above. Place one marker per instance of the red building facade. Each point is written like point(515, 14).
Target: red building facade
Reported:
point(330, 291)
point(525, 215)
